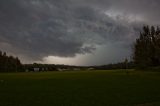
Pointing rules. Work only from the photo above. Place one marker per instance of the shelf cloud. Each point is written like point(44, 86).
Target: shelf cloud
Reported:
point(37, 29)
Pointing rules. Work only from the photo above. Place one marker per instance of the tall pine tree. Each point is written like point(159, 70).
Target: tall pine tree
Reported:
point(147, 48)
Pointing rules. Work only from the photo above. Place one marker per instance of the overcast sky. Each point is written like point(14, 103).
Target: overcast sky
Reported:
point(75, 32)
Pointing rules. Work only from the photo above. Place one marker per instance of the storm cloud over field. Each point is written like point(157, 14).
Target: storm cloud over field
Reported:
point(79, 32)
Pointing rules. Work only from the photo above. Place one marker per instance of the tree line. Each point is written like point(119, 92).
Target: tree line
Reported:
point(9, 63)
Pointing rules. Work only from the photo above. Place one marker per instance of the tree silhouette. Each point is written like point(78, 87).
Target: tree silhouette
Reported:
point(147, 48)
point(9, 63)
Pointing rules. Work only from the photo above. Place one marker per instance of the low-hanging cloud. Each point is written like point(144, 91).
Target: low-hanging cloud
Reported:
point(34, 29)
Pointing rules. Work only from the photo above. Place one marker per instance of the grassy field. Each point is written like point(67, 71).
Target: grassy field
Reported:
point(91, 88)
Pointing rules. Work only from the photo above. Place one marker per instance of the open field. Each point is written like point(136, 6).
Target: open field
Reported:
point(97, 88)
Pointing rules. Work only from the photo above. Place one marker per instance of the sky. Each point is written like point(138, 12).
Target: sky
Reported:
point(74, 32)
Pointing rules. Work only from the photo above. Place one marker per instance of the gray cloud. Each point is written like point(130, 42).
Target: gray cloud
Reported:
point(34, 29)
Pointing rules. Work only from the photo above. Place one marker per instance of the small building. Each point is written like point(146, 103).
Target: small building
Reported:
point(90, 68)
point(62, 69)
point(36, 69)
point(76, 69)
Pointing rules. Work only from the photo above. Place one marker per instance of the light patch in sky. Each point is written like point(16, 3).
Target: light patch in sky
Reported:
point(78, 60)
point(123, 16)
point(99, 57)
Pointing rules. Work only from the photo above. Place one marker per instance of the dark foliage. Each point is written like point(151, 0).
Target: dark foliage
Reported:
point(9, 63)
point(121, 65)
point(147, 48)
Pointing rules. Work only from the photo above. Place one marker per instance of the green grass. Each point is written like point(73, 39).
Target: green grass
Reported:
point(90, 88)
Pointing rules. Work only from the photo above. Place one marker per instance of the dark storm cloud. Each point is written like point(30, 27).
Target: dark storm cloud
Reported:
point(38, 28)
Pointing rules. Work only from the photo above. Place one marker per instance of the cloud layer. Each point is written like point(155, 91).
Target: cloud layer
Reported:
point(35, 29)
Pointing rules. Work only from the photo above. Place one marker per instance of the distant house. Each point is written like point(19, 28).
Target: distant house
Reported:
point(76, 69)
point(90, 68)
point(62, 69)
point(36, 69)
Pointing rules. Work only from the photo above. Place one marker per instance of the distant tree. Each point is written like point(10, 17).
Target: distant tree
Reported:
point(1, 60)
point(147, 48)
point(126, 63)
